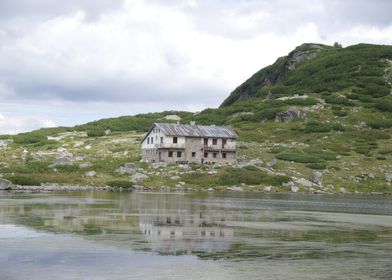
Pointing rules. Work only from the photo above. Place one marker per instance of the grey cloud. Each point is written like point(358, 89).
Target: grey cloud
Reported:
point(44, 9)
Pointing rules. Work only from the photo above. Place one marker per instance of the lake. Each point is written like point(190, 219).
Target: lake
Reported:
point(103, 235)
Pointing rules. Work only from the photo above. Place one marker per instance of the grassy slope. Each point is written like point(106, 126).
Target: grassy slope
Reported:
point(345, 130)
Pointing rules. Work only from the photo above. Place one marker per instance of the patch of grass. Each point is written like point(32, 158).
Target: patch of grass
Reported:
point(299, 157)
point(24, 180)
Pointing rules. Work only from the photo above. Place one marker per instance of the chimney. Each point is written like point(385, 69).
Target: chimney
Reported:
point(192, 123)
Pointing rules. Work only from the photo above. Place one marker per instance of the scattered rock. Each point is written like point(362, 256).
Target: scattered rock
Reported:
point(128, 168)
point(290, 114)
point(272, 162)
point(288, 184)
point(344, 191)
point(355, 179)
point(62, 160)
point(316, 177)
point(388, 177)
point(157, 165)
point(270, 96)
point(108, 132)
point(138, 176)
point(234, 189)
point(267, 189)
point(210, 190)
point(91, 173)
point(294, 189)
point(211, 172)
point(174, 178)
point(87, 147)
point(184, 166)
point(5, 184)
point(181, 183)
point(256, 161)
point(78, 144)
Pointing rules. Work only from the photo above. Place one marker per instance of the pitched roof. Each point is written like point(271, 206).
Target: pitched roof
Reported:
point(195, 130)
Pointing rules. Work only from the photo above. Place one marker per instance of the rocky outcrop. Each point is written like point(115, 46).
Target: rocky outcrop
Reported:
point(128, 168)
point(290, 114)
point(316, 177)
point(5, 184)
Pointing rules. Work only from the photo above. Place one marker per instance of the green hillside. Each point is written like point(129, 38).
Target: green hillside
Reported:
point(318, 108)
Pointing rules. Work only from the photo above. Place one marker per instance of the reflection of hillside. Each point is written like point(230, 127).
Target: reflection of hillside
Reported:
point(175, 225)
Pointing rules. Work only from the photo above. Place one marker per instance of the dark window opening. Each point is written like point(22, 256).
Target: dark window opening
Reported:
point(179, 154)
point(193, 154)
point(205, 141)
point(206, 155)
point(224, 141)
point(148, 140)
point(214, 155)
point(161, 140)
point(223, 155)
point(175, 140)
point(152, 140)
point(214, 141)
point(170, 154)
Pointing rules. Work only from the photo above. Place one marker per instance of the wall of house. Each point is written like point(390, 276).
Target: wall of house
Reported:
point(194, 145)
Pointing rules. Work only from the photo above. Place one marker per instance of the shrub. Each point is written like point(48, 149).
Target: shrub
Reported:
point(299, 157)
point(340, 113)
point(338, 100)
point(120, 184)
point(95, 133)
point(67, 168)
point(379, 124)
point(24, 180)
point(318, 165)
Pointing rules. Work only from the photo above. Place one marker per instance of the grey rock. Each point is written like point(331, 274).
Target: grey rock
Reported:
point(344, 191)
point(85, 164)
point(91, 173)
point(290, 114)
point(5, 184)
point(234, 189)
point(175, 177)
point(305, 183)
point(211, 172)
point(288, 184)
point(316, 177)
point(256, 161)
point(127, 169)
point(184, 166)
point(270, 96)
point(272, 162)
point(210, 190)
point(157, 165)
point(388, 177)
point(62, 160)
point(355, 179)
point(294, 189)
point(138, 177)
point(267, 189)
point(181, 183)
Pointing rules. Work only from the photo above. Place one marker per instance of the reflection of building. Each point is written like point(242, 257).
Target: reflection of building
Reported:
point(175, 231)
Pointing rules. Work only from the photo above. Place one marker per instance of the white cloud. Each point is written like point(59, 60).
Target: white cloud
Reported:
point(145, 56)
point(12, 125)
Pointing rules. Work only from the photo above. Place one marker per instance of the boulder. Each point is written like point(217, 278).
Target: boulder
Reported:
point(316, 177)
point(288, 115)
point(388, 177)
point(305, 183)
point(270, 96)
point(91, 173)
point(175, 177)
point(294, 189)
point(256, 161)
point(210, 190)
point(267, 189)
point(272, 162)
point(62, 160)
point(5, 184)
point(138, 177)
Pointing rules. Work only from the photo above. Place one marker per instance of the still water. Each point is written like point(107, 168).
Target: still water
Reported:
point(99, 235)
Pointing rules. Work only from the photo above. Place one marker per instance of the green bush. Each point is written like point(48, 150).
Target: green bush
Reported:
point(120, 184)
point(318, 165)
point(379, 124)
point(340, 113)
point(95, 133)
point(384, 105)
point(24, 180)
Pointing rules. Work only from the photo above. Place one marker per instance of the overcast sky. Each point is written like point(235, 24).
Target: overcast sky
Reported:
point(64, 62)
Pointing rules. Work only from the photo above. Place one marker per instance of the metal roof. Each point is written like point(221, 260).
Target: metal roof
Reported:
point(195, 130)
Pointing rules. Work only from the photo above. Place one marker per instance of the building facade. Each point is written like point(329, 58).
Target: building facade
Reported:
point(179, 143)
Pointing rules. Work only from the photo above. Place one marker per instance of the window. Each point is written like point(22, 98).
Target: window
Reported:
point(206, 155)
point(214, 141)
point(214, 155)
point(161, 140)
point(223, 155)
point(152, 140)
point(148, 140)
point(205, 141)
point(170, 154)
point(224, 141)
point(175, 140)
point(193, 154)
point(179, 154)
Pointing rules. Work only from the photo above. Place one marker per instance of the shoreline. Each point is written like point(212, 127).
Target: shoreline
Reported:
point(76, 188)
